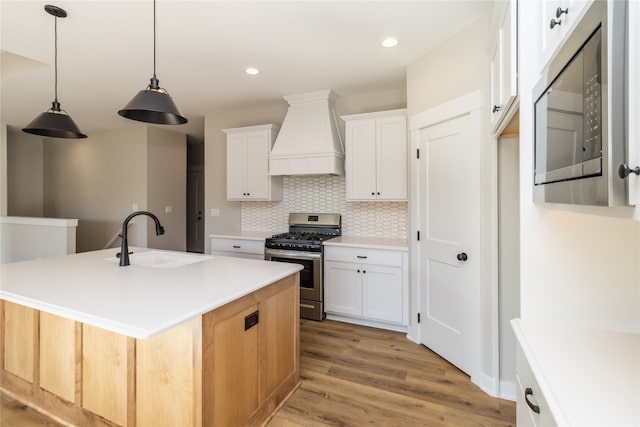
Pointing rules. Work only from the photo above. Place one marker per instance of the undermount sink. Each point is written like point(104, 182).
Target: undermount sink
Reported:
point(159, 259)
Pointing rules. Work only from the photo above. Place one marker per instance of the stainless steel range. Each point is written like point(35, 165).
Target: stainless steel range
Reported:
point(303, 245)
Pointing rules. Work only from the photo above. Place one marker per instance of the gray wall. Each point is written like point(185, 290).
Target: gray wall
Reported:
point(166, 187)
point(99, 180)
point(24, 174)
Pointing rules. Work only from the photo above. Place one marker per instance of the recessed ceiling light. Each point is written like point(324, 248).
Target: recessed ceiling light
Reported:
point(252, 71)
point(389, 42)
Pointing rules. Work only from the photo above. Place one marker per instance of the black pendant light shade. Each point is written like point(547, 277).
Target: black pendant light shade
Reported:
point(154, 104)
point(55, 122)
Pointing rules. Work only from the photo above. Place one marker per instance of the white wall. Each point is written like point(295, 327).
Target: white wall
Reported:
point(25, 238)
point(578, 264)
point(508, 258)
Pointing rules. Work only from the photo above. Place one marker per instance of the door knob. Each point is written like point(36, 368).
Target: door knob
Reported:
point(462, 256)
point(624, 170)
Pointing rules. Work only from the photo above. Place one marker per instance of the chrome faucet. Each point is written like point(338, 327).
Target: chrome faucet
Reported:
point(124, 248)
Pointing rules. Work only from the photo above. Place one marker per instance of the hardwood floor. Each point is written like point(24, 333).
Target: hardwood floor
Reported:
point(353, 376)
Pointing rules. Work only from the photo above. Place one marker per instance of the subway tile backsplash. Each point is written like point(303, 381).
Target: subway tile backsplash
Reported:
point(327, 194)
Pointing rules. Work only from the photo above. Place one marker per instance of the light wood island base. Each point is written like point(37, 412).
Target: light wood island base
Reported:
point(208, 371)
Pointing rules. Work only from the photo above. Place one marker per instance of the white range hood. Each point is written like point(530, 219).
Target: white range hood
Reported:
point(309, 141)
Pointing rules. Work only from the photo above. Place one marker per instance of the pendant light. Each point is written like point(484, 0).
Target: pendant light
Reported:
point(154, 104)
point(55, 122)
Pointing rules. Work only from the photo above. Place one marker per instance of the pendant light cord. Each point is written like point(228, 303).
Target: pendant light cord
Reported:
point(55, 50)
point(154, 39)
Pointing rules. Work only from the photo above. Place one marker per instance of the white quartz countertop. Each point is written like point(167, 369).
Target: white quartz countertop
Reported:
point(245, 235)
point(137, 301)
point(369, 242)
point(589, 377)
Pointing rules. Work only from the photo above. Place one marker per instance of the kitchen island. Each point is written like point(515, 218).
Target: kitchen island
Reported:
point(174, 339)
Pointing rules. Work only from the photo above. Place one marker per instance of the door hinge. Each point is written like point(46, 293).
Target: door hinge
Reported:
point(418, 236)
point(417, 153)
point(418, 317)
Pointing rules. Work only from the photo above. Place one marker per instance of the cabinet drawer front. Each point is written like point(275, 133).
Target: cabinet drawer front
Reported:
point(238, 245)
point(526, 380)
point(363, 255)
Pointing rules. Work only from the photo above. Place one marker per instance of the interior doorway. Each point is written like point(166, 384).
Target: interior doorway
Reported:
point(195, 195)
point(447, 217)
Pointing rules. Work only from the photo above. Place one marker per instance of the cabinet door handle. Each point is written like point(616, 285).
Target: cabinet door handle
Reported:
point(496, 108)
point(560, 11)
point(236, 246)
point(528, 392)
point(554, 22)
point(462, 257)
point(362, 256)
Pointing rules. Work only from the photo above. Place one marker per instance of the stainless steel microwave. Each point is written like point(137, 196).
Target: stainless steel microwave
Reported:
point(580, 112)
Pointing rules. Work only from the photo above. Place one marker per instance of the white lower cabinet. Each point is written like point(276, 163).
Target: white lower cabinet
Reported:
point(368, 284)
point(238, 247)
point(531, 406)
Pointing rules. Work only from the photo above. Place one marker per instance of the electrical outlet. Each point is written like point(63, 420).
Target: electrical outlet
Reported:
point(134, 207)
point(168, 209)
point(215, 212)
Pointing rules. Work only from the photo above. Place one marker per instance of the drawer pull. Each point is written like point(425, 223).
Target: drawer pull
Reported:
point(251, 320)
point(236, 246)
point(528, 392)
point(362, 256)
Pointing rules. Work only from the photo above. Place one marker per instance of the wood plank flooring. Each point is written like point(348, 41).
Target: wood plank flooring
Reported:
point(353, 376)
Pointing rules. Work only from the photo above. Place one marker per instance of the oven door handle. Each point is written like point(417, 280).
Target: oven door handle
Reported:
point(293, 254)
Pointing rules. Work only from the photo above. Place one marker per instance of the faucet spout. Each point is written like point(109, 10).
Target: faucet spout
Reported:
point(124, 248)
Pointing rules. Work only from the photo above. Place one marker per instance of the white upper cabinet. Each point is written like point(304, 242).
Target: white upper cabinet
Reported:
point(248, 164)
point(557, 17)
point(504, 61)
point(376, 156)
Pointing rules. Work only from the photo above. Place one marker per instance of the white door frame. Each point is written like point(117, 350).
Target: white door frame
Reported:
point(487, 342)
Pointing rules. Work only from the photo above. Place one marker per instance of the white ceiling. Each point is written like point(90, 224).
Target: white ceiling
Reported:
point(105, 52)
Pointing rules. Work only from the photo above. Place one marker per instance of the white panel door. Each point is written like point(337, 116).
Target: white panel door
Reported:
point(450, 241)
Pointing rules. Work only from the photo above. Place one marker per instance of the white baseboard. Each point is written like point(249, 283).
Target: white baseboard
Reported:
point(508, 390)
point(486, 384)
point(367, 322)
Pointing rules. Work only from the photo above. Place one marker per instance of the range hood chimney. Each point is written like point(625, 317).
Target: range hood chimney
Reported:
point(309, 141)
